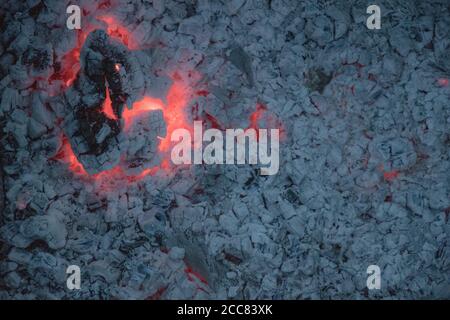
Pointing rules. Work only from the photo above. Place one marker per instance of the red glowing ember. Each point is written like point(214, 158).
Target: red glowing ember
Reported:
point(262, 118)
point(107, 107)
point(390, 175)
point(66, 155)
point(174, 115)
point(119, 32)
point(256, 116)
point(442, 82)
point(70, 62)
point(191, 274)
point(104, 4)
point(174, 111)
point(140, 107)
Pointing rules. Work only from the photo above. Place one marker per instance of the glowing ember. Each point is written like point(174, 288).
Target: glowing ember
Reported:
point(443, 82)
point(191, 274)
point(157, 295)
point(213, 121)
point(139, 108)
point(67, 155)
point(104, 4)
point(256, 116)
point(174, 113)
point(196, 278)
point(390, 175)
point(117, 173)
point(262, 118)
point(107, 107)
point(117, 31)
point(174, 116)
point(202, 93)
point(68, 68)
point(70, 62)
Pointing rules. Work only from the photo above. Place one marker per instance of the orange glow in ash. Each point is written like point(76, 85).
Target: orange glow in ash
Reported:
point(174, 113)
point(107, 107)
point(177, 97)
point(174, 109)
point(390, 175)
point(70, 62)
point(443, 82)
point(66, 155)
point(118, 173)
point(200, 282)
point(70, 66)
point(191, 274)
point(139, 108)
point(119, 32)
point(104, 4)
point(256, 116)
point(261, 118)
point(68, 69)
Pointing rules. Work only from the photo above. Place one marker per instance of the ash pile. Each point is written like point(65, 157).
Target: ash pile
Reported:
point(364, 161)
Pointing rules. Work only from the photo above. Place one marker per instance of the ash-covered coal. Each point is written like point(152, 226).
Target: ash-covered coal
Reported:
point(110, 79)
